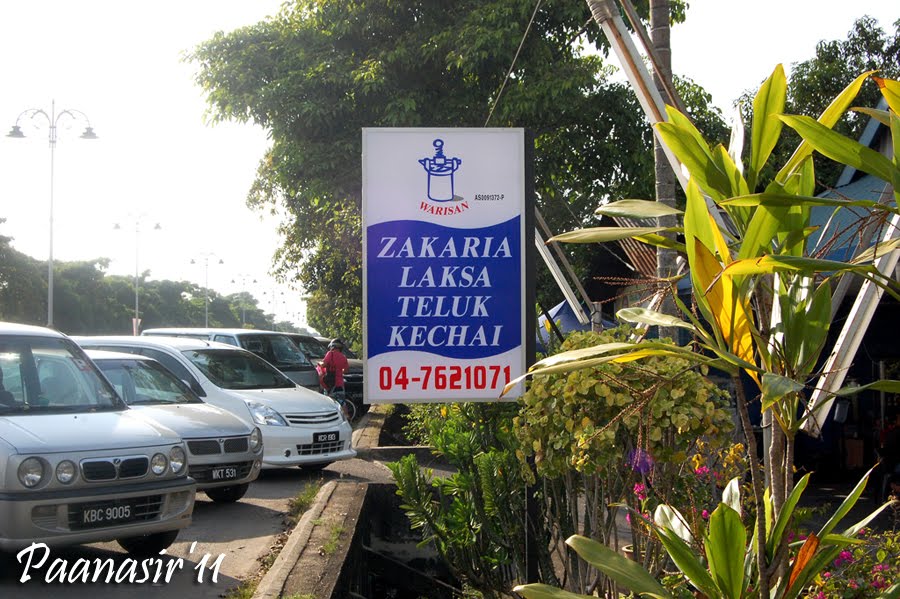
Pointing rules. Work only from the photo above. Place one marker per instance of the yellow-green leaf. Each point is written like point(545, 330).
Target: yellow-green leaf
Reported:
point(890, 89)
point(840, 148)
point(605, 234)
point(766, 129)
point(637, 209)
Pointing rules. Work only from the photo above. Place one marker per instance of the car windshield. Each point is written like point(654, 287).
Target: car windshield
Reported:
point(143, 382)
point(50, 374)
point(236, 369)
point(278, 350)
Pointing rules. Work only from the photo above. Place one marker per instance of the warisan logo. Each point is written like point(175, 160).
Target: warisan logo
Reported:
point(441, 175)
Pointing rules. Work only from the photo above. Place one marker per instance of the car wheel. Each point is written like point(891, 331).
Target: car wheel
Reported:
point(148, 545)
point(227, 494)
point(313, 467)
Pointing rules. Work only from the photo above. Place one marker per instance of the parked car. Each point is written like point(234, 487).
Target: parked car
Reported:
point(315, 348)
point(299, 427)
point(272, 346)
point(224, 451)
point(76, 464)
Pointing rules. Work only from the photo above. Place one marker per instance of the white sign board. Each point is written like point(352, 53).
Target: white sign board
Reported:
point(444, 242)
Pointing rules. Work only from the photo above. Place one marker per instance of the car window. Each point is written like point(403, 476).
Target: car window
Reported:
point(174, 366)
point(237, 369)
point(276, 349)
point(229, 339)
point(312, 348)
point(145, 382)
point(44, 374)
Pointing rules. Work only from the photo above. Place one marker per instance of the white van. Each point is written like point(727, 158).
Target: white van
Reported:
point(276, 348)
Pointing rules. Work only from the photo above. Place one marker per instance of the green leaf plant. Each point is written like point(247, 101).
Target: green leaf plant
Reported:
point(763, 311)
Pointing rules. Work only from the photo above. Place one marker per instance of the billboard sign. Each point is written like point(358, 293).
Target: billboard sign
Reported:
point(444, 285)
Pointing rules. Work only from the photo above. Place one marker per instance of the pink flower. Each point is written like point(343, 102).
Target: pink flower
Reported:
point(705, 514)
point(826, 575)
point(820, 595)
point(879, 583)
point(701, 471)
point(846, 556)
point(640, 491)
point(852, 584)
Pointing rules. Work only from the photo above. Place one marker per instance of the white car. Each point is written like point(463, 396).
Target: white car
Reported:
point(224, 451)
point(76, 464)
point(300, 427)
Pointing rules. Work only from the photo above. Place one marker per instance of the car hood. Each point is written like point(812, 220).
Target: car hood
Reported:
point(195, 420)
point(50, 433)
point(293, 400)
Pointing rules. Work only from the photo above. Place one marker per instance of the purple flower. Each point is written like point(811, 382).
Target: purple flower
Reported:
point(820, 595)
point(705, 514)
point(640, 461)
point(701, 471)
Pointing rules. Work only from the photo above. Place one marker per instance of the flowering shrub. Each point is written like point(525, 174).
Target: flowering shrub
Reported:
point(862, 571)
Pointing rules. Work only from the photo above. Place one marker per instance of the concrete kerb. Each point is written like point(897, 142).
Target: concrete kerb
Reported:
point(273, 581)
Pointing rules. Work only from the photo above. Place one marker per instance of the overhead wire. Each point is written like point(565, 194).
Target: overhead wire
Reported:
point(512, 65)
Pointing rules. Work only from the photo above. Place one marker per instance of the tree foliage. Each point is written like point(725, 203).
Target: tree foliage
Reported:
point(321, 70)
point(88, 301)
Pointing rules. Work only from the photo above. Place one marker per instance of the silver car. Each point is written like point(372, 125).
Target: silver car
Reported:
point(76, 464)
point(224, 452)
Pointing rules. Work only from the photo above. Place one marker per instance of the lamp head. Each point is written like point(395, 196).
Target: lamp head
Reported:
point(89, 133)
point(16, 131)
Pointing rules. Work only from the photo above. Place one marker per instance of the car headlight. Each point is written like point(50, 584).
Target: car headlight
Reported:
point(263, 414)
point(31, 472)
point(340, 410)
point(255, 440)
point(177, 459)
point(66, 471)
point(158, 464)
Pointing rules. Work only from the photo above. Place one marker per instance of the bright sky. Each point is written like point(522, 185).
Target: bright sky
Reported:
point(157, 162)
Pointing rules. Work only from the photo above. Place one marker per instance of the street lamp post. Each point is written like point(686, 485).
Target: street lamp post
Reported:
point(136, 321)
point(206, 256)
point(243, 278)
point(53, 119)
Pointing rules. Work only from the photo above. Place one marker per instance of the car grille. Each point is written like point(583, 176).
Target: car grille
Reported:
point(144, 509)
point(113, 468)
point(312, 418)
point(213, 447)
point(203, 473)
point(320, 448)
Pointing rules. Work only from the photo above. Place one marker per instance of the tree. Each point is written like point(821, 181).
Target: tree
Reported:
point(321, 70)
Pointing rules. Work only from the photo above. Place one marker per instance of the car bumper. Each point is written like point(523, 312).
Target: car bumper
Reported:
point(52, 517)
point(297, 446)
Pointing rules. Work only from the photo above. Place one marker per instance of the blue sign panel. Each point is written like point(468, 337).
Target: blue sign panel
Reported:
point(443, 314)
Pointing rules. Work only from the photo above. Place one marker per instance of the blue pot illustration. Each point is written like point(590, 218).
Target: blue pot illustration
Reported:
point(440, 171)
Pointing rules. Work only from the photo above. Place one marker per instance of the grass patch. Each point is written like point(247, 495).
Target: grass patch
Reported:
point(299, 504)
point(331, 546)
